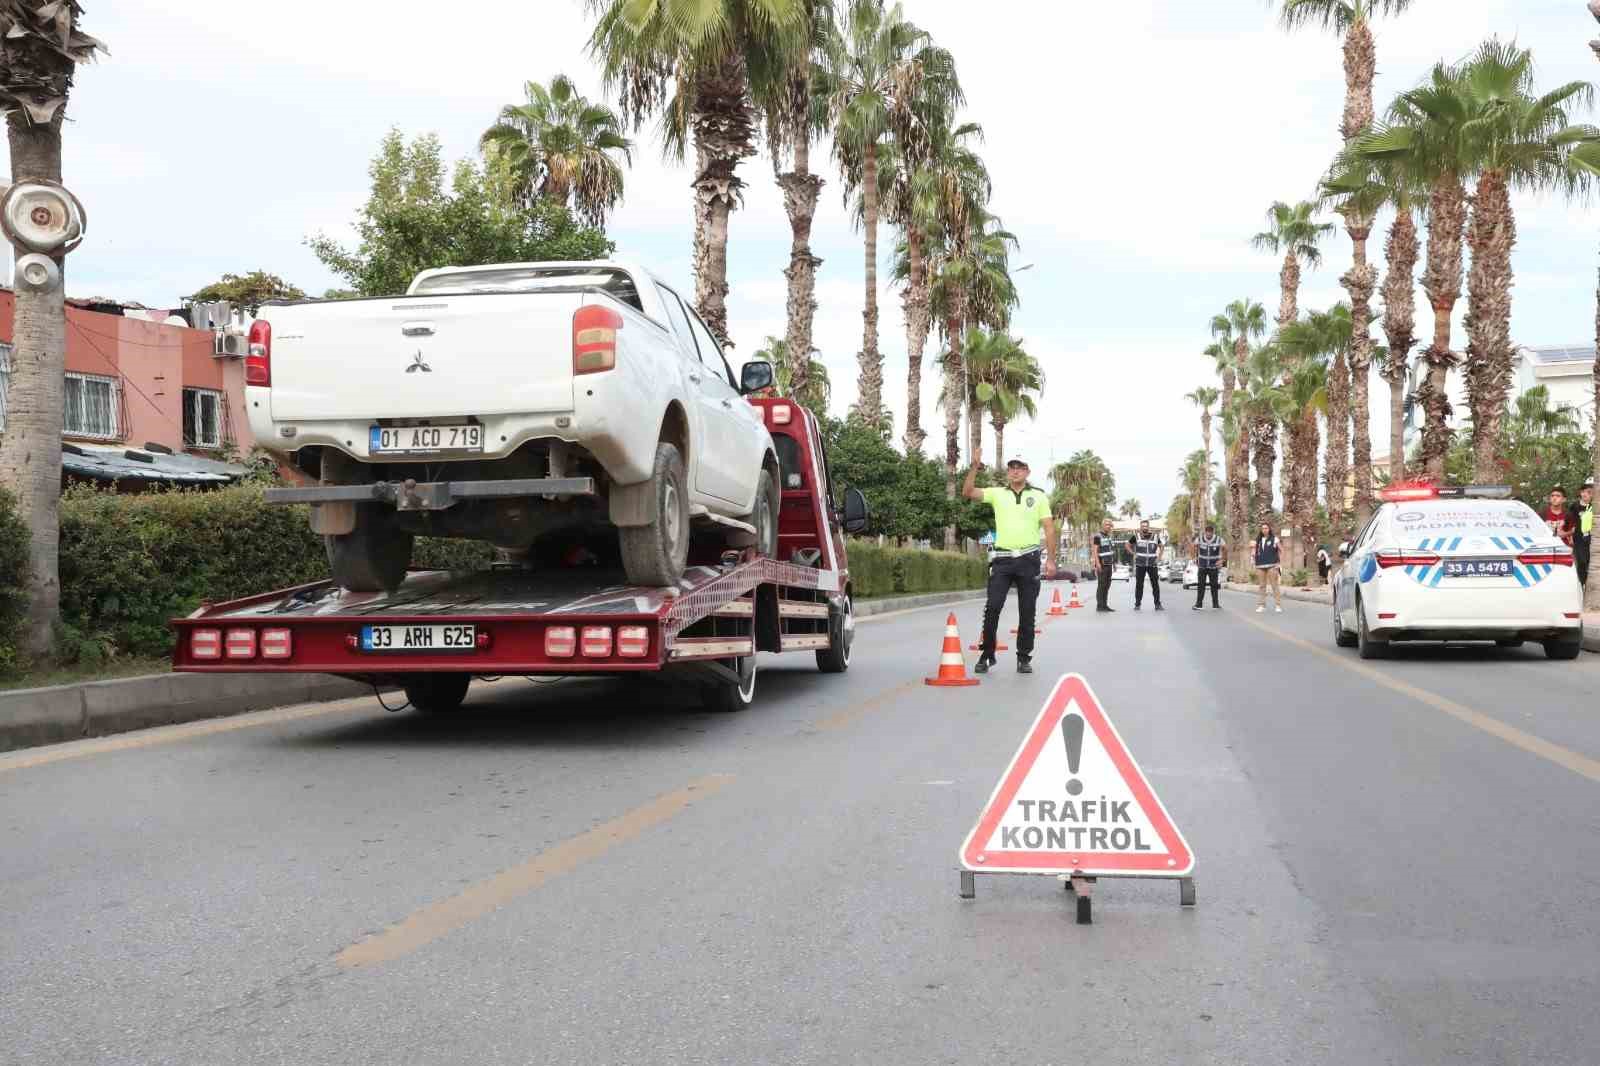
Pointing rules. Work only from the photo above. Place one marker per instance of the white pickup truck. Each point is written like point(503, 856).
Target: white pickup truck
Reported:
point(536, 406)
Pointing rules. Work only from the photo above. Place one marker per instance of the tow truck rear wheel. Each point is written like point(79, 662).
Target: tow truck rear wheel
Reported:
point(835, 658)
point(374, 556)
point(1563, 648)
point(655, 554)
point(437, 693)
point(726, 695)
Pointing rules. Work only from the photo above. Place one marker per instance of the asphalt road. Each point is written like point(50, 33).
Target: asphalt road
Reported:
point(1398, 862)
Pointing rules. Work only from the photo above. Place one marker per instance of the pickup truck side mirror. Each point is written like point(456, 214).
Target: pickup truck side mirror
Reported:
point(855, 511)
point(755, 376)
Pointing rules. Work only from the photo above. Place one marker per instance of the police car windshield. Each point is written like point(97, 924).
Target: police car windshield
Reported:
point(1495, 518)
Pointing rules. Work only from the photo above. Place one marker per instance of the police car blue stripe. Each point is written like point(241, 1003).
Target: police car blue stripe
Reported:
point(1437, 575)
point(1517, 572)
point(1454, 544)
point(1498, 543)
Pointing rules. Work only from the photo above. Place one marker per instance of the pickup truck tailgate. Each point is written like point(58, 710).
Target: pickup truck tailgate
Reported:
point(423, 356)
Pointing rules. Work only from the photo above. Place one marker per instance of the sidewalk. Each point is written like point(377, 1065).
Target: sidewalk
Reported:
point(33, 716)
point(1591, 620)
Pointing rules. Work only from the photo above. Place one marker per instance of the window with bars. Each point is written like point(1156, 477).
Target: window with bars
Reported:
point(92, 407)
point(5, 382)
point(204, 419)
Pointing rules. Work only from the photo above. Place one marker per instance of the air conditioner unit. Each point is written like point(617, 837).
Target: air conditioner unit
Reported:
point(231, 344)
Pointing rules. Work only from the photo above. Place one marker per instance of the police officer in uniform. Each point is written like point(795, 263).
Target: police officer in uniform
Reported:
point(1146, 548)
point(1209, 550)
point(1105, 562)
point(1020, 510)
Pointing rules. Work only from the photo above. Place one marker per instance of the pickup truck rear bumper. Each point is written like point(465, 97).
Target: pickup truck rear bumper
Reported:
point(433, 495)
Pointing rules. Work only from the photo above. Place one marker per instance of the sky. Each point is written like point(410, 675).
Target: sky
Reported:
point(1135, 147)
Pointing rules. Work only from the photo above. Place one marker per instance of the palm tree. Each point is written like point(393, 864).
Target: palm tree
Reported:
point(1240, 323)
point(1131, 508)
point(1294, 233)
point(1424, 132)
point(925, 200)
point(1008, 380)
point(794, 121)
point(43, 46)
point(814, 389)
point(882, 76)
point(561, 147)
point(1260, 402)
point(1586, 163)
point(1513, 140)
point(700, 63)
point(1305, 396)
point(1180, 519)
point(1203, 397)
point(1325, 337)
point(1194, 475)
point(1084, 492)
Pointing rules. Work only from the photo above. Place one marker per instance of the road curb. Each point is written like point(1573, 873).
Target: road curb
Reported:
point(1591, 631)
point(31, 717)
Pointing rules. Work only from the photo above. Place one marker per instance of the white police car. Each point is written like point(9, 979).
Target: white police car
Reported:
point(1457, 564)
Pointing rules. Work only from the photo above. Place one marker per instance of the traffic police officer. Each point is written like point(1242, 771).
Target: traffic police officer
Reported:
point(1105, 564)
point(1146, 548)
point(1209, 549)
point(1019, 512)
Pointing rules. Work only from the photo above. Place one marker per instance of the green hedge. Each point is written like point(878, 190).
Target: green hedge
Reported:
point(13, 581)
point(876, 571)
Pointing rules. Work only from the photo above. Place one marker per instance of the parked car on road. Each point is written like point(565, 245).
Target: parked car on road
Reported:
point(1191, 575)
point(531, 405)
point(1122, 572)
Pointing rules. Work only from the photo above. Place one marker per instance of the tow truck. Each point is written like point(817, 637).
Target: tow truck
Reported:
point(438, 630)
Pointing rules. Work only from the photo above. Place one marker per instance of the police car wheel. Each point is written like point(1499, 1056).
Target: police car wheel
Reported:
point(1561, 648)
point(1342, 636)
point(1369, 648)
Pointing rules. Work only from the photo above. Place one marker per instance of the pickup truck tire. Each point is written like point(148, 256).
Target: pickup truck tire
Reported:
point(437, 693)
point(765, 516)
point(655, 554)
point(374, 556)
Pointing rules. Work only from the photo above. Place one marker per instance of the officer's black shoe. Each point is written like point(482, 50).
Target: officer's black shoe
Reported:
point(1106, 610)
point(1024, 666)
point(1136, 607)
point(1159, 607)
point(1196, 607)
point(982, 667)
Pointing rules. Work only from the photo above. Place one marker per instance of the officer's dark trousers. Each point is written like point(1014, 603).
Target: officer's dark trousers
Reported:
point(1022, 571)
point(1102, 588)
point(1580, 555)
point(1208, 574)
point(1139, 573)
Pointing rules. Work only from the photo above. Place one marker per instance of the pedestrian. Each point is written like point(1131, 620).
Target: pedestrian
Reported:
point(1210, 550)
point(1105, 564)
point(1268, 558)
point(1020, 512)
point(1146, 548)
point(1583, 530)
point(1324, 562)
point(1558, 517)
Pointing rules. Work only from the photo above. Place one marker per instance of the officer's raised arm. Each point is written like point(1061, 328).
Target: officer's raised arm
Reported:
point(969, 488)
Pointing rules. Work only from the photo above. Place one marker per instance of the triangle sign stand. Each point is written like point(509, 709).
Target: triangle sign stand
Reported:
point(1074, 804)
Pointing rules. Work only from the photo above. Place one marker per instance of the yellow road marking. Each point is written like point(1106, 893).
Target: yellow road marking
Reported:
point(851, 715)
point(148, 738)
point(445, 917)
point(1563, 757)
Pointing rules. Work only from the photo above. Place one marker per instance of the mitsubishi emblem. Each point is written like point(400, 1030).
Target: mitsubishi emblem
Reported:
point(417, 364)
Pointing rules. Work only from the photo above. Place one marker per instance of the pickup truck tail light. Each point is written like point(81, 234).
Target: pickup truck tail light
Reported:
point(1546, 557)
point(594, 339)
point(1387, 560)
point(258, 363)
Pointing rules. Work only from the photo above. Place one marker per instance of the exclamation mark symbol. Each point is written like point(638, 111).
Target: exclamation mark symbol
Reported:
point(1072, 733)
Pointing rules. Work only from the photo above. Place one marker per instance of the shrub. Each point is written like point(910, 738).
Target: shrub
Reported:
point(876, 571)
point(14, 571)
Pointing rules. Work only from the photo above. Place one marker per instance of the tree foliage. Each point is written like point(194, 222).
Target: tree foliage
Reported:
point(247, 291)
point(413, 222)
point(906, 494)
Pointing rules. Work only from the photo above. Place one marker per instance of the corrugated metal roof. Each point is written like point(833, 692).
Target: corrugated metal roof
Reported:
point(112, 463)
point(1562, 353)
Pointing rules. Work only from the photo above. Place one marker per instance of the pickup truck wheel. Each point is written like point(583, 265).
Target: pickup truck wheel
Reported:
point(437, 693)
point(371, 558)
point(835, 658)
point(655, 554)
point(765, 517)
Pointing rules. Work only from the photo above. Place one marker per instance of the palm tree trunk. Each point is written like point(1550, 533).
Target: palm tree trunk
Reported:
point(1441, 280)
point(870, 386)
point(1205, 473)
point(915, 302)
point(724, 134)
point(974, 418)
point(1289, 290)
point(1492, 234)
point(801, 189)
point(955, 393)
point(1235, 513)
point(30, 447)
point(1264, 444)
point(1359, 282)
point(999, 425)
point(1336, 464)
point(1591, 599)
point(1399, 326)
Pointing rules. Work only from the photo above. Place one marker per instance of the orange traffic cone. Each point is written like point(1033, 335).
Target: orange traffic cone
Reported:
point(952, 667)
point(1074, 603)
point(1057, 609)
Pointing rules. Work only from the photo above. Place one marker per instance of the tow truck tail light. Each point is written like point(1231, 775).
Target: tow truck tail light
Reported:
point(594, 339)
point(1386, 560)
point(633, 642)
point(258, 363)
point(782, 413)
point(561, 642)
point(205, 644)
point(276, 644)
point(596, 642)
point(240, 644)
point(1546, 557)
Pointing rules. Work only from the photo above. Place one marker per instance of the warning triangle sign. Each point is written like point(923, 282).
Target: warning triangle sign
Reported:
point(1074, 801)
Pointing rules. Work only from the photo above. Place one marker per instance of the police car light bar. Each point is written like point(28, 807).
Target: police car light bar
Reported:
point(1426, 491)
